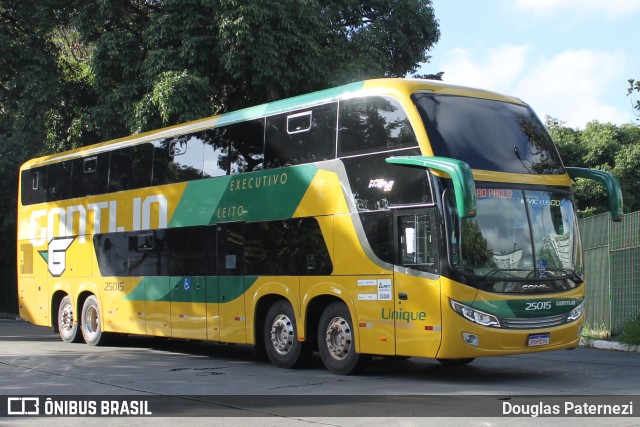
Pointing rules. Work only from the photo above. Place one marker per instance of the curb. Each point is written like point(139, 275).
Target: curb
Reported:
point(609, 345)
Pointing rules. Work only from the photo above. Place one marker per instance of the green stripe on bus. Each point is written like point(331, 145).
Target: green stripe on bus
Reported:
point(289, 104)
point(530, 308)
point(256, 196)
point(163, 289)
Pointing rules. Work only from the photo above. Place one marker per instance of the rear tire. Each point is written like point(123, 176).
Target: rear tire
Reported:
point(91, 327)
point(337, 342)
point(67, 323)
point(281, 337)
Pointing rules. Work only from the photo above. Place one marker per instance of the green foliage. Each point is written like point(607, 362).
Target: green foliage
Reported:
point(630, 333)
point(634, 86)
point(604, 146)
point(595, 331)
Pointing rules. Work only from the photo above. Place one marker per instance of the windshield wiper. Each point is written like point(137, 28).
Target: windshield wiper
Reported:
point(571, 274)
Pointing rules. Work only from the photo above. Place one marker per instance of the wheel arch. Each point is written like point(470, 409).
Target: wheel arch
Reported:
point(260, 312)
point(81, 299)
point(56, 299)
point(314, 310)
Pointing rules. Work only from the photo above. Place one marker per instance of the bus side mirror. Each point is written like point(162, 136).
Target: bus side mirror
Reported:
point(611, 184)
point(460, 173)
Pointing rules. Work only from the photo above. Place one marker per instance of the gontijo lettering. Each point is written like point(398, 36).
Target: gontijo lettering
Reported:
point(45, 224)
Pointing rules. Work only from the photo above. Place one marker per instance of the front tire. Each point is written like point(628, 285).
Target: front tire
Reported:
point(91, 328)
point(337, 343)
point(67, 324)
point(281, 337)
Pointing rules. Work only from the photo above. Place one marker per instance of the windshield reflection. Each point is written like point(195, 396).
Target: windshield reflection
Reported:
point(518, 234)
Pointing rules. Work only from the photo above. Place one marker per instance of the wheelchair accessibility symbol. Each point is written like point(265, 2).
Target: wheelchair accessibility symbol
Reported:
point(187, 284)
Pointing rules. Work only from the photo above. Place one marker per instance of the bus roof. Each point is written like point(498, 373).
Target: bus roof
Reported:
point(386, 86)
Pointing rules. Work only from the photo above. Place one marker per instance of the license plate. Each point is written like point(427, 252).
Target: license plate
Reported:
point(538, 339)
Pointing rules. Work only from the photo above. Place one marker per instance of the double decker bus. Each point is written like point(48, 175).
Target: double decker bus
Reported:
point(390, 217)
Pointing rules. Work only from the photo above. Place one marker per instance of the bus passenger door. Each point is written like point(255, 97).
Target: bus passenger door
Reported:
point(231, 287)
point(191, 259)
point(417, 292)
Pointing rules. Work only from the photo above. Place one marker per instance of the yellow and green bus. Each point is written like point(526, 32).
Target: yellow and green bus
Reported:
point(389, 217)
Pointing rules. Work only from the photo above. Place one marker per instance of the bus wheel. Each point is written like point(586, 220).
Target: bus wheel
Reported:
point(281, 337)
point(67, 326)
point(336, 341)
point(90, 325)
point(456, 362)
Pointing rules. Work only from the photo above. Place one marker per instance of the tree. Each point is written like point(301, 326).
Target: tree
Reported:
point(634, 86)
point(604, 146)
point(157, 63)
point(76, 72)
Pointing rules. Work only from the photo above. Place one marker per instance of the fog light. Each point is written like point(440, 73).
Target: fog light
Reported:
point(471, 339)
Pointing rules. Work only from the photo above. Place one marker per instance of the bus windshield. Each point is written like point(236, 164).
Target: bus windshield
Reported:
point(488, 135)
point(520, 240)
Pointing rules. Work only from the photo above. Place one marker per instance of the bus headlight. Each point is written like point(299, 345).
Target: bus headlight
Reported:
point(476, 316)
point(575, 313)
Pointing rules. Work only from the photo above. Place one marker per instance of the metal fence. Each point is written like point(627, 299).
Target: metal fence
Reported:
point(612, 269)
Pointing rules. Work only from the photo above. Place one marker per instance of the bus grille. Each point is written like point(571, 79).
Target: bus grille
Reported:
point(535, 323)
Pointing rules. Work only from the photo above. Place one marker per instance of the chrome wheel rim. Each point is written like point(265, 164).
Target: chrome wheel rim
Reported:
point(282, 334)
point(65, 320)
point(91, 321)
point(338, 338)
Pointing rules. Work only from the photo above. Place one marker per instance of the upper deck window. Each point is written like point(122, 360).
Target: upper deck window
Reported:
point(302, 136)
point(488, 135)
point(371, 124)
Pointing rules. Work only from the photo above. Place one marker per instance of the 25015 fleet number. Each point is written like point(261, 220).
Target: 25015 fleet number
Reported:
point(114, 286)
point(540, 305)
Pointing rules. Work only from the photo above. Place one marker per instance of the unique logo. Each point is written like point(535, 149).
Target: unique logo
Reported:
point(407, 316)
point(56, 255)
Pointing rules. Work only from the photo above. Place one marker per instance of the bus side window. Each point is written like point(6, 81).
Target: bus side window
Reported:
point(59, 181)
point(376, 184)
point(130, 167)
point(229, 249)
point(216, 153)
point(188, 248)
point(34, 186)
point(309, 250)
point(378, 227)
point(303, 136)
point(246, 146)
point(112, 251)
point(90, 175)
point(178, 159)
point(371, 124)
point(145, 254)
point(269, 248)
